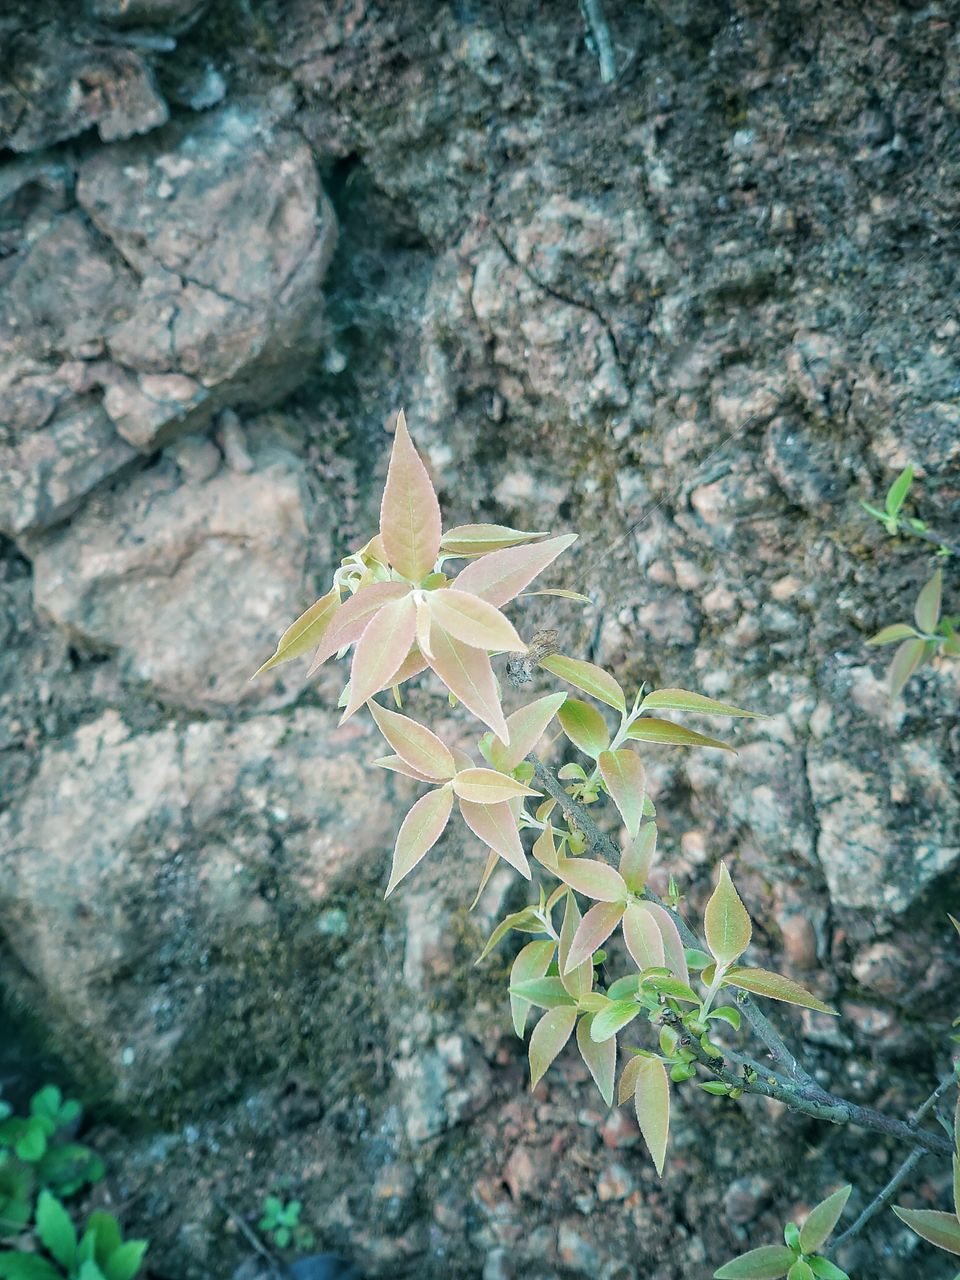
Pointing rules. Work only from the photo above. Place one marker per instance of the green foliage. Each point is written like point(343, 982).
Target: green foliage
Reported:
point(799, 1258)
point(281, 1222)
point(100, 1253)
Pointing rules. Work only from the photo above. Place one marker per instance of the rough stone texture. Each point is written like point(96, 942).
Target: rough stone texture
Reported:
point(697, 315)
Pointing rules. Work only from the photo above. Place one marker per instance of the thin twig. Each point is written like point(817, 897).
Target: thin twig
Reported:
point(601, 843)
point(251, 1238)
point(904, 1171)
point(593, 12)
point(926, 536)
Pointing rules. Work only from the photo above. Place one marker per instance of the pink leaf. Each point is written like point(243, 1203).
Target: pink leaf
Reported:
point(487, 786)
point(501, 575)
point(595, 928)
point(496, 827)
point(643, 937)
point(415, 743)
point(471, 619)
point(409, 513)
point(419, 832)
point(380, 652)
point(622, 771)
point(396, 764)
point(467, 673)
point(351, 619)
point(527, 726)
point(411, 666)
point(601, 1059)
point(674, 955)
point(549, 1036)
point(652, 1100)
point(592, 878)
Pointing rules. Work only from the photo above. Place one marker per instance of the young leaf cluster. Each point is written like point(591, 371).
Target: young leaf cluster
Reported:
point(799, 1258)
point(281, 1221)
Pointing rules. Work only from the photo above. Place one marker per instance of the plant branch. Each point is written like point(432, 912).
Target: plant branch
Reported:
point(903, 1172)
point(593, 12)
point(601, 843)
point(926, 536)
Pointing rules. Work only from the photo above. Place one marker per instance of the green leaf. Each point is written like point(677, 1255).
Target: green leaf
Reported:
point(106, 1232)
point(607, 1022)
point(46, 1101)
point(584, 726)
point(683, 700)
point(726, 922)
point(526, 921)
point(927, 610)
point(637, 860)
point(479, 539)
point(125, 1262)
point(727, 1013)
point(588, 677)
point(27, 1266)
point(941, 1229)
point(651, 1097)
point(546, 993)
point(800, 1271)
point(822, 1219)
point(898, 491)
point(304, 634)
point(890, 635)
point(715, 1087)
point(32, 1144)
point(905, 662)
point(622, 771)
point(600, 1058)
point(761, 982)
point(698, 959)
point(577, 977)
point(56, 1230)
point(549, 1036)
point(826, 1270)
point(532, 962)
point(769, 1262)
point(673, 735)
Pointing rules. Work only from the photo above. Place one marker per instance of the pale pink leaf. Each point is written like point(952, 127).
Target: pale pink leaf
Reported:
point(494, 824)
point(594, 879)
point(527, 726)
point(501, 575)
point(471, 619)
point(549, 1036)
point(478, 539)
point(351, 619)
point(424, 627)
point(486, 786)
point(652, 1100)
point(419, 832)
point(396, 764)
point(409, 512)
point(380, 652)
point(643, 938)
point(601, 1059)
point(415, 743)
point(491, 864)
point(622, 771)
point(411, 666)
point(674, 955)
point(638, 858)
point(467, 673)
point(595, 928)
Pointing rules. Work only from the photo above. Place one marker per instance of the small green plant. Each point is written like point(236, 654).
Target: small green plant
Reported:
point(933, 633)
point(799, 1257)
point(100, 1253)
point(281, 1222)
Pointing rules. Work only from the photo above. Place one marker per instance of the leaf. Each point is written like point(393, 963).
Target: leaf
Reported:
point(890, 635)
point(727, 1013)
point(501, 575)
point(584, 726)
point(591, 878)
point(822, 1219)
point(588, 677)
point(380, 651)
point(562, 592)
point(933, 1225)
point(669, 734)
point(643, 937)
point(622, 771)
point(486, 786)
point(638, 858)
point(532, 962)
point(683, 700)
point(468, 675)
point(304, 634)
point(472, 620)
point(354, 615)
point(409, 511)
point(594, 929)
point(415, 743)
point(56, 1230)
point(549, 1036)
point(526, 920)
point(826, 1270)
point(898, 491)
point(651, 1098)
point(776, 987)
point(608, 1021)
point(769, 1262)
point(600, 1059)
point(478, 539)
point(674, 953)
point(576, 978)
point(419, 832)
point(31, 1146)
point(527, 726)
point(125, 1262)
point(956, 1163)
point(628, 1078)
point(496, 826)
point(927, 609)
point(27, 1266)
point(905, 662)
point(800, 1271)
point(395, 765)
point(547, 993)
point(106, 1234)
point(726, 922)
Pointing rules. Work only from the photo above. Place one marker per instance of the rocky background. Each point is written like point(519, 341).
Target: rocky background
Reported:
point(697, 315)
